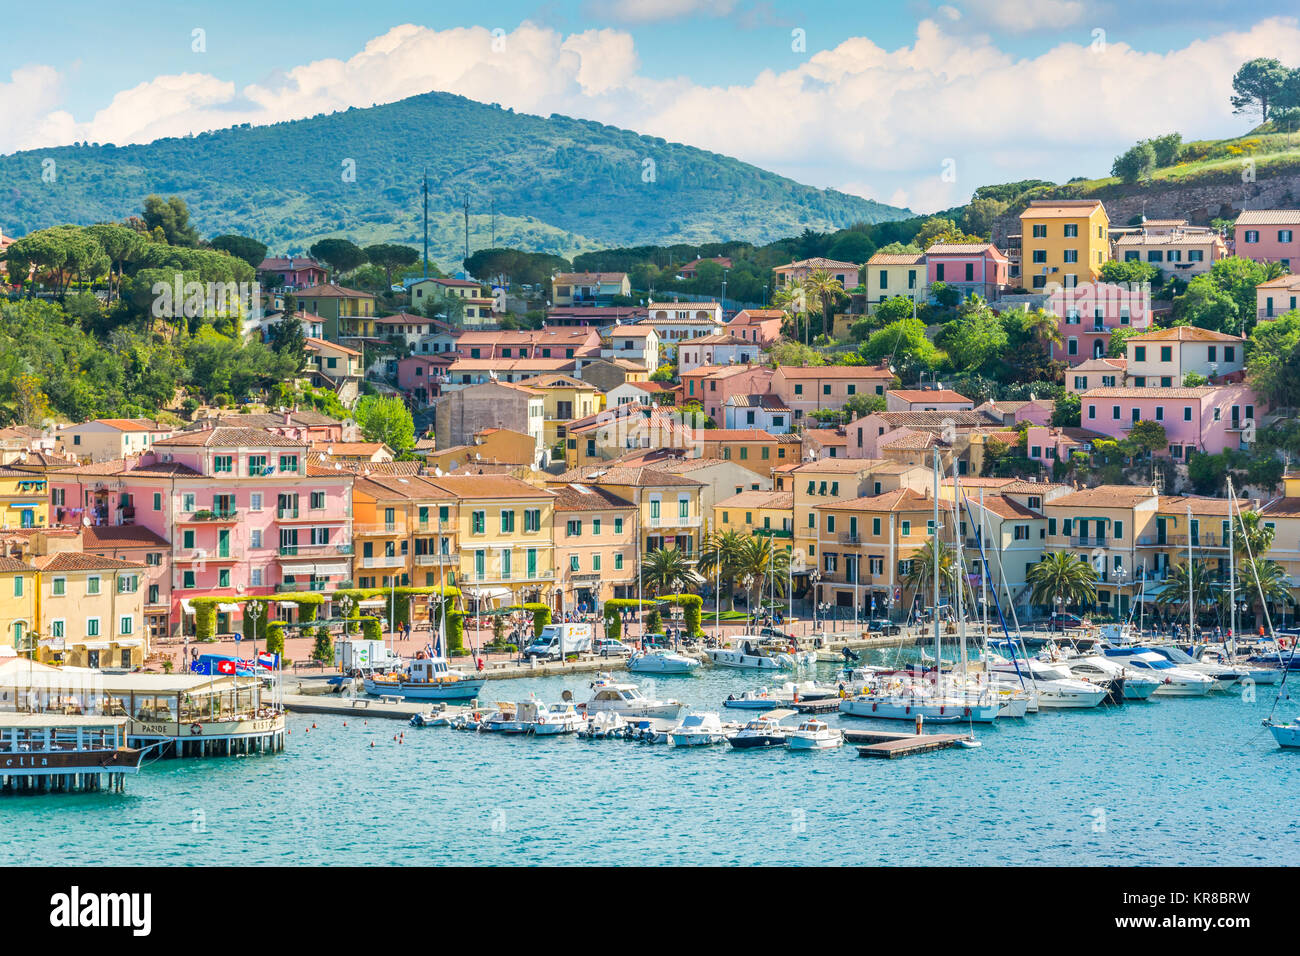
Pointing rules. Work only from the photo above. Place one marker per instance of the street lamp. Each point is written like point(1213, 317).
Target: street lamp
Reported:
point(254, 610)
point(814, 578)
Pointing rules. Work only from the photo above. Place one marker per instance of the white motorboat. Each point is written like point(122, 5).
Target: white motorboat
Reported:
point(760, 699)
point(697, 730)
point(504, 720)
point(1261, 674)
point(763, 731)
point(603, 726)
point(549, 720)
point(1286, 734)
point(813, 734)
point(1175, 681)
point(1055, 686)
point(1094, 667)
point(661, 662)
point(1224, 677)
point(909, 701)
point(626, 699)
point(752, 652)
point(427, 678)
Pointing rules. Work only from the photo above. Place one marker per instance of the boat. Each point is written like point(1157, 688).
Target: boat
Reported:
point(911, 701)
point(1262, 674)
point(761, 732)
point(426, 678)
point(753, 652)
point(1174, 681)
point(1053, 683)
point(1224, 677)
point(697, 730)
point(626, 699)
point(604, 726)
point(1286, 734)
point(813, 734)
point(543, 720)
point(760, 699)
point(661, 662)
point(504, 720)
point(433, 718)
point(1131, 685)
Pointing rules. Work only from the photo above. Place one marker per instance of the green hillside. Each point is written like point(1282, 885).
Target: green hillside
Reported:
point(559, 185)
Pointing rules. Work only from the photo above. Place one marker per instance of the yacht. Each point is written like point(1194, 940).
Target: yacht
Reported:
point(762, 731)
point(760, 699)
point(753, 652)
point(1053, 683)
point(813, 734)
point(549, 720)
point(1174, 681)
point(427, 678)
point(1218, 654)
point(899, 700)
point(1132, 685)
point(661, 662)
point(1224, 676)
point(1286, 734)
point(610, 696)
point(697, 730)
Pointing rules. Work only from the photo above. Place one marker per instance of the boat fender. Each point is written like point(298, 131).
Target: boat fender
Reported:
point(908, 710)
point(873, 707)
point(967, 714)
point(942, 708)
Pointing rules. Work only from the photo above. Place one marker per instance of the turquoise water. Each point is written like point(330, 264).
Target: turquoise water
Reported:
point(1170, 782)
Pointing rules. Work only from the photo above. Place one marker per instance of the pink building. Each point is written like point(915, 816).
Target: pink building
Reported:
point(296, 272)
point(757, 325)
point(1089, 312)
point(243, 511)
point(1035, 411)
point(974, 268)
point(1268, 235)
point(1048, 445)
point(1210, 418)
point(926, 400)
point(712, 385)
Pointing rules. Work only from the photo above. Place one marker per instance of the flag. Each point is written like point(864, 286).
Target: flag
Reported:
point(227, 667)
point(268, 661)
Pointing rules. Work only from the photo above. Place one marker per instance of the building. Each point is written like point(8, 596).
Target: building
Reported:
point(926, 400)
point(343, 312)
point(405, 532)
point(713, 385)
point(463, 413)
point(569, 289)
point(758, 325)
point(609, 374)
point(765, 412)
point(632, 343)
point(596, 544)
point(142, 546)
point(1206, 418)
point(335, 367)
point(757, 450)
point(807, 389)
point(564, 399)
point(1283, 515)
point(18, 585)
point(506, 539)
point(1165, 357)
point(720, 479)
point(768, 514)
point(1173, 247)
point(691, 269)
point(24, 500)
point(490, 445)
point(894, 275)
point(1049, 444)
point(1102, 372)
point(103, 439)
point(294, 272)
point(794, 273)
point(824, 443)
point(970, 268)
point(1277, 296)
point(90, 610)
point(637, 393)
point(1063, 242)
point(676, 322)
point(1035, 411)
point(1088, 315)
point(868, 434)
point(720, 348)
point(1267, 235)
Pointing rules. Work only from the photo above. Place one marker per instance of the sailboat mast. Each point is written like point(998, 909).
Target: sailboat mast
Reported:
point(960, 562)
point(1191, 602)
point(934, 548)
point(1232, 573)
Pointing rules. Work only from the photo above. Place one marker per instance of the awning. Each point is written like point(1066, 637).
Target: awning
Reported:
point(229, 608)
point(186, 606)
point(92, 646)
point(373, 602)
point(339, 568)
point(129, 642)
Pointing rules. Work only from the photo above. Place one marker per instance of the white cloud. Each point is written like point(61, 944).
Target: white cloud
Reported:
point(648, 11)
point(857, 117)
point(1023, 16)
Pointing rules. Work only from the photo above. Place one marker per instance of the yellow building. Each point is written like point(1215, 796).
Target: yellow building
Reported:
point(490, 445)
point(1283, 516)
point(1107, 527)
point(566, 399)
point(24, 500)
point(889, 276)
point(343, 312)
point(765, 513)
point(1065, 242)
point(505, 538)
point(17, 603)
point(751, 448)
point(405, 531)
point(595, 544)
point(90, 610)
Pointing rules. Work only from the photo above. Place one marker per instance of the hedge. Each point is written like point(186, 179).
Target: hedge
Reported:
point(371, 629)
point(692, 605)
point(541, 617)
point(275, 638)
point(455, 632)
point(323, 650)
point(613, 617)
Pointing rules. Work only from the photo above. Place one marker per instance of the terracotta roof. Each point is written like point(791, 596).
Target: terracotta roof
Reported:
point(8, 564)
point(643, 476)
point(329, 290)
point(488, 486)
point(128, 424)
point(573, 497)
point(902, 499)
point(581, 277)
point(1004, 507)
point(81, 561)
point(1184, 333)
point(121, 536)
point(630, 331)
point(754, 316)
point(961, 418)
point(1104, 496)
point(766, 401)
point(388, 487)
point(835, 371)
point(1268, 217)
point(1061, 208)
point(964, 249)
point(817, 263)
point(349, 447)
point(914, 441)
point(322, 344)
point(1200, 505)
point(825, 436)
point(945, 395)
point(841, 465)
point(1199, 392)
point(743, 434)
point(896, 259)
point(230, 438)
point(1102, 364)
point(120, 466)
point(759, 499)
point(717, 338)
point(1282, 508)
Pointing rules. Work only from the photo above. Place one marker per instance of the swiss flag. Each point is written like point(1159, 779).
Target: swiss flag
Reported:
point(225, 667)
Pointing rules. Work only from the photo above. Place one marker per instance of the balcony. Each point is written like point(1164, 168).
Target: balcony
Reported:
point(222, 516)
point(283, 588)
point(1203, 540)
point(313, 550)
point(427, 560)
point(199, 555)
point(773, 532)
point(667, 521)
point(1090, 542)
point(511, 578)
point(850, 539)
point(384, 561)
point(382, 527)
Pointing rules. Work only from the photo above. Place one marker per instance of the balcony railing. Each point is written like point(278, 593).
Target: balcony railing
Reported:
point(1205, 539)
point(382, 527)
point(384, 561)
point(1088, 541)
point(313, 550)
point(671, 521)
point(424, 560)
point(223, 514)
point(521, 577)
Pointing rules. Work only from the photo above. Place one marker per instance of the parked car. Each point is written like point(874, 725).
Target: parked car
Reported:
point(1061, 620)
point(882, 625)
point(612, 647)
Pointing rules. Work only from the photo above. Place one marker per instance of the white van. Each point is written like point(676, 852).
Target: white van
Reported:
point(558, 639)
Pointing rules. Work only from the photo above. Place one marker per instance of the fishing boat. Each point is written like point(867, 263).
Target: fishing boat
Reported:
point(1174, 681)
point(754, 652)
point(627, 700)
point(761, 732)
point(697, 730)
point(813, 734)
point(605, 725)
point(549, 720)
point(1287, 734)
point(661, 662)
point(427, 678)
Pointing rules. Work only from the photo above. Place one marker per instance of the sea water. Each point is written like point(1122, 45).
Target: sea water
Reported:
point(1171, 781)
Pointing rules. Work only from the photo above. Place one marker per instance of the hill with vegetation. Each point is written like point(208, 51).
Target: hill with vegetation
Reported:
point(557, 184)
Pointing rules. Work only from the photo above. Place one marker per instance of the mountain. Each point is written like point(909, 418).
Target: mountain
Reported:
point(558, 184)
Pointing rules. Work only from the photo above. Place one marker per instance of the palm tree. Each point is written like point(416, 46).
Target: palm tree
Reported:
point(1264, 581)
point(757, 562)
point(1062, 576)
point(1251, 538)
point(666, 571)
point(822, 286)
point(920, 576)
point(719, 556)
point(791, 299)
point(1044, 326)
point(1173, 596)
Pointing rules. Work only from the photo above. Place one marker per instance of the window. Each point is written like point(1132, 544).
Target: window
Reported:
point(1071, 230)
point(595, 562)
point(478, 522)
point(1092, 411)
point(507, 522)
point(532, 519)
point(683, 507)
point(317, 502)
point(223, 464)
point(124, 626)
point(255, 577)
point(92, 584)
point(1139, 353)
point(18, 585)
point(618, 525)
point(1166, 353)
point(1071, 255)
point(907, 528)
point(255, 501)
point(187, 539)
point(618, 561)
point(128, 584)
point(574, 563)
point(1252, 235)
point(223, 578)
point(289, 463)
point(875, 526)
point(1119, 530)
point(574, 528)
point(257, 465)
point(1187, 413)
point(1040, 255)
point(157, 501)
point(187, 579)
point(92, 627)
point(1160, 413)
point(187, 501)
point(1040, 232)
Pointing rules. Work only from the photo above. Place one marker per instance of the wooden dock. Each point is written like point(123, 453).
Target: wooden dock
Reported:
point(816, 705)
point(890, 745)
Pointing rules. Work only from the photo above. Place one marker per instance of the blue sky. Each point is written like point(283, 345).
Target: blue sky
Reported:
point(915, 104)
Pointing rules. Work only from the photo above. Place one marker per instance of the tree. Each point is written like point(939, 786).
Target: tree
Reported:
point(288, 339)
point(720, 557)
point(388, 420)
point(1273, 360)
point(1118, 338)
point(341, 255)
point(1148, 437)
point(1173, 597)
point(1256, 85)
point(121, 245)
point(946, 295)
point(1207, 306)
point(390, 256)
point(1060, 577)
point(1043, 326)
point(1137, 163)
point(172, 216)
point(1133, 272)
point(974, 338)
point(795, 353)
point(826, 289)
point(919, 578)
point(759, 562)
point(898, 341)
point(1168, 148)
point(1067, 411)
point(979, 215)
point(241, 247)
point(863, 404)
point(666, 570)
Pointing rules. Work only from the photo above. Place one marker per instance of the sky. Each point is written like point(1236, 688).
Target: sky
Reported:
point(914, 103)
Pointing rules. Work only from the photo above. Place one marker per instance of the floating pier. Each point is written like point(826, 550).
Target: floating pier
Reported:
point(816, 705)
point(891, 745)
point(57, 753)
